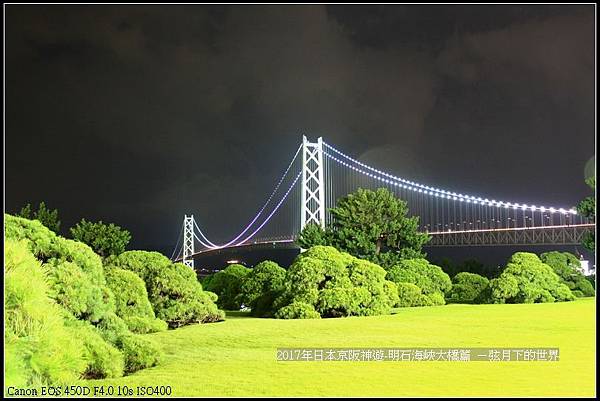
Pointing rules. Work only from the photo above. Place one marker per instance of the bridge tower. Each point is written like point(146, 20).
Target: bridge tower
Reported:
point(312, 209)
point(188, 240)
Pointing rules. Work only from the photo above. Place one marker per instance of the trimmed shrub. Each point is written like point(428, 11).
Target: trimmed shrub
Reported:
point(112, 327)
point(436, 299)
point(410, 295)
point(75, 292)
point(567, 266)
point(132, 304)
point(526, 279)
point(103, 359)
point(139, 352)
point(173, 288)
point(333, 284)
point(227, 285)
point(145, 325)
point(78, 282)
point(368, 280)
point(391, 291)
point(40, 348)
point(261, 287)
point(297, 310)
point(592, 280)
point(467, 287)
point(58, 344)
point(585, 287)
point(431, 279)
point(562, 293)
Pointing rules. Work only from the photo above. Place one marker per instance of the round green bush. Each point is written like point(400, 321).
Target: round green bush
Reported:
point(334, 284)
point(103, 359)
point(132, 304)
point(297, 310)
point(409, 295)
point(227, 285)
point(41, 349)
point(145, 325)
point(429, 278)
point(139, 352)
point(437, 298)
point(79, 283)
point(75, 292)
point(112, 327)
point(368, 278)
point(467, 287)
point(263, 284)
point(585, 287)
point(562, 293)
point(391, 291)
point(567, 267)
point(173, 289)
point(526, 279)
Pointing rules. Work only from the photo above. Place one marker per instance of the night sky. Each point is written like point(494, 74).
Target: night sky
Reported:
point(139, 114)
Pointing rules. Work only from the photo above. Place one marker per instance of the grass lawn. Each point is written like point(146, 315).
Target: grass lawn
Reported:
point(237, 357)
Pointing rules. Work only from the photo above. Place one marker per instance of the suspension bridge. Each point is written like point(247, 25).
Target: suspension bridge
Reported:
point(319, 174)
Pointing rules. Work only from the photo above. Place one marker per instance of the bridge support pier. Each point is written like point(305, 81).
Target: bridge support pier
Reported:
point(188, 240)
point(313, 188)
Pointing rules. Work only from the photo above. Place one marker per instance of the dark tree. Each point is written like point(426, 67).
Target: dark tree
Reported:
point(47, 217)
point(370, 225)
point(587, 208)
point(104, 239)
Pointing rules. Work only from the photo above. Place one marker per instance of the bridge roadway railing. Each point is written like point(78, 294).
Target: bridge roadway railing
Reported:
point(548, 235)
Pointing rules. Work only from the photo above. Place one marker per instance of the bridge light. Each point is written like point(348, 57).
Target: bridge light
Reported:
point(523, 207)
point(533, 207)
point(563, 211)
point(515, 206)
point(543, 209)
point(552, 210)
point(573, 211)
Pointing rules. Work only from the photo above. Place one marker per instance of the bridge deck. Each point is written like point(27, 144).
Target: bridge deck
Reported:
point(548, 235)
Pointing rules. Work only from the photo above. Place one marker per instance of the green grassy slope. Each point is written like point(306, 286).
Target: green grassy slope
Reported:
point(238, 357)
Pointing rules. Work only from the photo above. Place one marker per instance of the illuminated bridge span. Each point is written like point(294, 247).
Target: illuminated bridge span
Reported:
point(319, 174)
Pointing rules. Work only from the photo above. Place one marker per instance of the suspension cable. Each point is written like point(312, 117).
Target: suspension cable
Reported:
point(214, 246)
point(274, 210)
point(177, 244)
point(432, 190)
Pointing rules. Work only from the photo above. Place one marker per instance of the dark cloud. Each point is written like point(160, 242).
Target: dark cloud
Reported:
point(139, 114)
